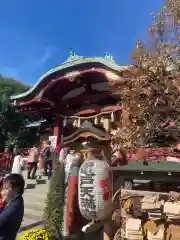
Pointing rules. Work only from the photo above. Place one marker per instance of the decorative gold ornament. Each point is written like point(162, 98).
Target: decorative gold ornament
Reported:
point(72, 75)
point(75, 123)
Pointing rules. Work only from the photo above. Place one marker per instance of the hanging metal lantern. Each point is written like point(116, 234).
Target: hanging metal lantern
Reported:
point(96, 120)
point(95, 189)
point(75, 123)
point(64, 122)
point(79, 122)
point(112, 117)
point(101, 120)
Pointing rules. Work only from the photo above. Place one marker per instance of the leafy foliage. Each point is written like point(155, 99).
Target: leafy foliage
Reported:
point(11, 123)
point(151, 94)
point(12, 86)
point(54, 210)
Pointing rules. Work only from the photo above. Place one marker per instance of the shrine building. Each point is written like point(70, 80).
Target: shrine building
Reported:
point(77, 90)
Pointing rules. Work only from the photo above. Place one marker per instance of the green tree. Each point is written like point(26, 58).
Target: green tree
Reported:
point(11, 123)
point(12, 86)
point(150, 98)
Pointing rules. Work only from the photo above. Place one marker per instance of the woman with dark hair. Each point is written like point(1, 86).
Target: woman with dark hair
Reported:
point(12, 215)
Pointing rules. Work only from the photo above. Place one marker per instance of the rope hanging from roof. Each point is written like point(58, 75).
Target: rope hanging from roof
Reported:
point(89, 117)
point(105, 121)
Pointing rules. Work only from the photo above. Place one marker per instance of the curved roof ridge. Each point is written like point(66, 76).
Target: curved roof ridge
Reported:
point(68, 64)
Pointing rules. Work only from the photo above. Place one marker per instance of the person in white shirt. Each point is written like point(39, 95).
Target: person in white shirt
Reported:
point(72, 157)
point(18, 163)
point(63, 154)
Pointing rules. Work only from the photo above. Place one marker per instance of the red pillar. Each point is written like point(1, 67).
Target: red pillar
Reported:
point(56, 132)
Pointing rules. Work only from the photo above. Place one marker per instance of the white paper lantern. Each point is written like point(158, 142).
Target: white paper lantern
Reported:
point(95, 189)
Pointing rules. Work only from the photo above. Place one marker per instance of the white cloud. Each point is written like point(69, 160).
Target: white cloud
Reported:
point(29, 67)
point(45, 56)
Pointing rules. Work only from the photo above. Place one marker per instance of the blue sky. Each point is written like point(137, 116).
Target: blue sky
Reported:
point(36, 35)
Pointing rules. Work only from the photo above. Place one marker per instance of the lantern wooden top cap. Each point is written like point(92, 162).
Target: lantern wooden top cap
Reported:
point(88, 131)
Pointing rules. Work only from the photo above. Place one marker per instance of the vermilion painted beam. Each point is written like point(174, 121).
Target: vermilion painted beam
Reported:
point(81, 111)
point(35, 100)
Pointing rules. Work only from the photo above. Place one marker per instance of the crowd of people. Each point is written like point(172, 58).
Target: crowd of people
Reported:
point(12, 186)
point(39, 158)
point(42, 159)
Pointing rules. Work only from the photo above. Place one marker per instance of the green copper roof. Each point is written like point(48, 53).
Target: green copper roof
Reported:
point(72, 60)
point(73, 57)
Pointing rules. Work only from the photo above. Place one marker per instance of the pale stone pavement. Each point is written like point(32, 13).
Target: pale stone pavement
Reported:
point(34, 202)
